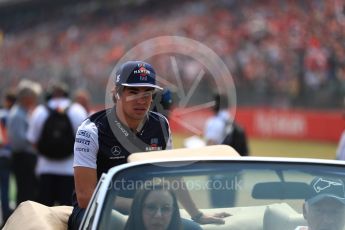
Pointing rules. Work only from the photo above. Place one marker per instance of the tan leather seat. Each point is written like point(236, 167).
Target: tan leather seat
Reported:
point(31, 215)
point(282, 217)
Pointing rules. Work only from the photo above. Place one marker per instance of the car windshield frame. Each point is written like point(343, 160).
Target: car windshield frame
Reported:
point(197, 167)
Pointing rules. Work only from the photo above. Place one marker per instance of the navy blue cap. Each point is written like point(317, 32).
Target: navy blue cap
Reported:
point(322, 188)
point(136, 74)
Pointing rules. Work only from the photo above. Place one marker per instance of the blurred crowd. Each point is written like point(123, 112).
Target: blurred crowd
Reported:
point(280, 53)
point(25, 128)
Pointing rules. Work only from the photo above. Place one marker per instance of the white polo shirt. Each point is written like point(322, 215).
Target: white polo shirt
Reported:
point(341, 148)
point(215, 127)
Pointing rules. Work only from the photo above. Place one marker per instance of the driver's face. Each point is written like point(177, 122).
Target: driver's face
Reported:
point(326, 214)
point(136, 102)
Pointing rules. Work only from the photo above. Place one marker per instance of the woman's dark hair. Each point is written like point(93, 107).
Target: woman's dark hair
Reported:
point(135, 219)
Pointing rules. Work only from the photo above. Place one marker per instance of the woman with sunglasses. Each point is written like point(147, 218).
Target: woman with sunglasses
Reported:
point(154, 208)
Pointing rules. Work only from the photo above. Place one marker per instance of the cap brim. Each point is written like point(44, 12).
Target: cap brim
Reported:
point(142, 85)
point(325, 196)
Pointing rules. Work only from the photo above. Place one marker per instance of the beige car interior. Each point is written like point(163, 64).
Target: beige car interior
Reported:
point(32, 215)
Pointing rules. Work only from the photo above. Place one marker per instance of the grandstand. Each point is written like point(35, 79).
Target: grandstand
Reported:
point(278, 54)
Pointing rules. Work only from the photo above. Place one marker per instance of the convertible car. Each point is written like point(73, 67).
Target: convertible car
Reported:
point(257, 193)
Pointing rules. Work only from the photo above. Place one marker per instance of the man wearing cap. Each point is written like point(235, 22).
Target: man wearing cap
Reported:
point(324, 209)
point(108, 137)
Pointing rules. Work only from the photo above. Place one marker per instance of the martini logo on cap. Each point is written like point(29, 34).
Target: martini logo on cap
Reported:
point(142, 71)
point(136, 74)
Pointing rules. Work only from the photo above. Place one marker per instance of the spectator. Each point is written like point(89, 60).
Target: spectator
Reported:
point(82, 96)
point(325, 207)
point(56, 182)
point(216, 127)
point(340, 155)
point(221, 129)
point(5, 153)
point(24, 156)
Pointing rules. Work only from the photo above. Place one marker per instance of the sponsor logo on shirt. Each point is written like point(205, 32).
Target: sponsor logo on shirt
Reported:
point(116, 153)
point(83, 133)
point(82, 141)
point(153, 145)
point(80, 149)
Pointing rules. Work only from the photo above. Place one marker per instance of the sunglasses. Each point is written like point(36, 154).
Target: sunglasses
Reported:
point(152, 209)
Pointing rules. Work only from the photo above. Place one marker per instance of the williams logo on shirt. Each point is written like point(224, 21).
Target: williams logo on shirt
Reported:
point(153, 145)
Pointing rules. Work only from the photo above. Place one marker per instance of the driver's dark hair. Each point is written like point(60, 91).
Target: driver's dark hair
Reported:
point(221, 102)
point(135, 219)
point(118, 90)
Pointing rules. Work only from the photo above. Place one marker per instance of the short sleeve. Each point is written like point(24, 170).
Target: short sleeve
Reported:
point(214, 130)
point(86, 145)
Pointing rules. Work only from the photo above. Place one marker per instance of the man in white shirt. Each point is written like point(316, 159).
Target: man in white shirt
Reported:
point(216, 127)
point(55, 176)
point(340, 155)
point(324, 209)
point(23, 157)
point(222, 129)
point(341, 148)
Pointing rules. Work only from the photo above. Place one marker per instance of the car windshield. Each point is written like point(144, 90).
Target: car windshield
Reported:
point(256, 195)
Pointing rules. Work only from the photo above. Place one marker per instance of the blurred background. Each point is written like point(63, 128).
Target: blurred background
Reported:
point(287, 59)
